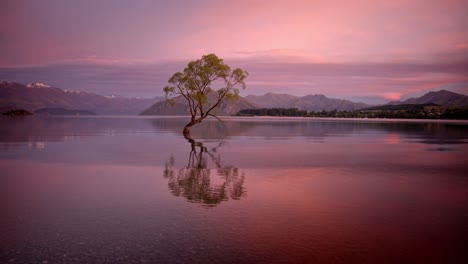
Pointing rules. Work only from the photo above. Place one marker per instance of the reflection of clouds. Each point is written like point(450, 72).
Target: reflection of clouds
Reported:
point(422, 131)
point(45, 129)
point(392, 138)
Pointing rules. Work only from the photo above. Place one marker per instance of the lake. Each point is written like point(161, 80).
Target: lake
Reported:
point(249, 190)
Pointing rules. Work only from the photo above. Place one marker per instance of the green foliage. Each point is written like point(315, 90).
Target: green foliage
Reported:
point(195, 84)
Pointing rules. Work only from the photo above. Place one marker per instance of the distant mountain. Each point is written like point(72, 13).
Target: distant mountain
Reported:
point(35, 96)
point(180, 107)
point(442, 97)
point(164, 108)
point(271, 100)
point(320, 102)
point(316, 102)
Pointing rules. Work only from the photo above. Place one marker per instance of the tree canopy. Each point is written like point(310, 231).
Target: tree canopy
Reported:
point(195, 84)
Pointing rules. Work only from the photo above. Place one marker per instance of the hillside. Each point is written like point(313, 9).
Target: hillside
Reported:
point(320, 102)
point(180, 107)
point(316, 102)
point(38, 95)
point(442, 97)
point(271, 100)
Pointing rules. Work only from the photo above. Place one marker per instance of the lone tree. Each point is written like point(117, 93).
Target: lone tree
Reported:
point(195, 85)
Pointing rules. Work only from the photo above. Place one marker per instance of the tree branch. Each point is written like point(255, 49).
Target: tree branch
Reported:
point(220, 98)
point(194, 84)
point(216, 118)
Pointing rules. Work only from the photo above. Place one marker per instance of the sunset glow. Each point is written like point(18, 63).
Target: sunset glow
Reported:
point(370, 51)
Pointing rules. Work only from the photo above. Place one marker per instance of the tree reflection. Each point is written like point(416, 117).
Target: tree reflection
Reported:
point(199, 182)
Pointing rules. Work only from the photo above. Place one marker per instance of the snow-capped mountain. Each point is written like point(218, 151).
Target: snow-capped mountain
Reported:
point(37, 85)
point(36, 96)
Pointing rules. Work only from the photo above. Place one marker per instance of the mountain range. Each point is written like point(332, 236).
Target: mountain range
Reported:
point(442, 97)
point(316, 102)
point(36, 96)
point(180, 107)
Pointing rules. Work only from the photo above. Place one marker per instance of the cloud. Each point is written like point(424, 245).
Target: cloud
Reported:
point(362, 31)
point(369, 82)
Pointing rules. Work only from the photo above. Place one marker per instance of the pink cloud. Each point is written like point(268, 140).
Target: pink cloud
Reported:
point(316, 31)
point(335, 32)
point(338, 48)
point(462, 46)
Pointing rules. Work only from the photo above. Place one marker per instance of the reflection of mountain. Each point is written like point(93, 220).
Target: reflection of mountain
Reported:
point(54, 128)
point(253, 142)
point(197, 182)
point(47, 129)
point(431, 133)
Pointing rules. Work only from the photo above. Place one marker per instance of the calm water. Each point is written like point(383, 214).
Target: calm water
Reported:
point(254, 190)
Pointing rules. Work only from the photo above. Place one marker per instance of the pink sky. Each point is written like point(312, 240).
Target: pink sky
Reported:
point(283, 44)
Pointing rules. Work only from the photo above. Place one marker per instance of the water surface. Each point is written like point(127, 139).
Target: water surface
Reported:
point(251, 190)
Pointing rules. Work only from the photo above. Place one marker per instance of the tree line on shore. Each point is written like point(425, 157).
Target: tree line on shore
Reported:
point(397, 111)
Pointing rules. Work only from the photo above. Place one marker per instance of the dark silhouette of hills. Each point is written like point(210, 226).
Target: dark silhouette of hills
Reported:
point(442, 98)
point(17, 112)
point(433, 105)
point(36, 96)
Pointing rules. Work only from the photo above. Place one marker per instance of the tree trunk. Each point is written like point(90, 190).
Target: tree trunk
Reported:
point(187, 127)
point(186, 132)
